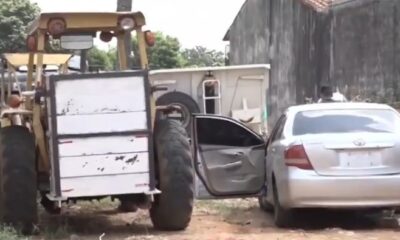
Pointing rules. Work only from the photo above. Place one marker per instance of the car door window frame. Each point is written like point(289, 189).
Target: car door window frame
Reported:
point(277, 130)
point(236, 124)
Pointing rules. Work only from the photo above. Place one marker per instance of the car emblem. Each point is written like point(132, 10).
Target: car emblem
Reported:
point(359, 142)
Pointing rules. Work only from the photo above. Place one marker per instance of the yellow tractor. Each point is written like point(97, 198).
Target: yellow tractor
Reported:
point(88, 136)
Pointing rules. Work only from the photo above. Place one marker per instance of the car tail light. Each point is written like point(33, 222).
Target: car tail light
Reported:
point(127, 23)
point(150, 38)
point(56, 26)
point(296, 156)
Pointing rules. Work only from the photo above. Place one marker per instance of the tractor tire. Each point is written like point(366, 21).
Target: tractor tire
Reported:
point(186, 102)
point(172, 209)
point(18, 206)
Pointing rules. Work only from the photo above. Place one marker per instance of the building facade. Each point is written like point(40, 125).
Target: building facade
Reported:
point(353, 45)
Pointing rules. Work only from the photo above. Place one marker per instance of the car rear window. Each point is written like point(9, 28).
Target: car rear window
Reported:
point(345, 121)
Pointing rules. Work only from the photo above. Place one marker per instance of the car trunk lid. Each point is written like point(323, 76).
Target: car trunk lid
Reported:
point(350, 154)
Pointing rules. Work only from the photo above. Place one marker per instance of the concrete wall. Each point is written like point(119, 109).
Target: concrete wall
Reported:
point(355, 47)
point(291, 49)
point(366, 50)
point(249, 36)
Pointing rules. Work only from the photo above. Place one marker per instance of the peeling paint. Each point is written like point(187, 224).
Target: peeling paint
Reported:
point(99, 165)
point(132, 160)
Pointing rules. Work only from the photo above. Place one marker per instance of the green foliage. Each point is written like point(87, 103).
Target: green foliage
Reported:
point(165, 53)
point(8, 233)
point(99, 60)
point(112, 56)
point(15, 15)
point(202, 57)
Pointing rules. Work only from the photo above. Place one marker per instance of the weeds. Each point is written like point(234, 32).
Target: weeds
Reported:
point(61, 232)
point(9, 233)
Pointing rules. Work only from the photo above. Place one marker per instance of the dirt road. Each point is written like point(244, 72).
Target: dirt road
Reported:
point(214, 220)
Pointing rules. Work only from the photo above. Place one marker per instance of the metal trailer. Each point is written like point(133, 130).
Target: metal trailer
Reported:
point(235, 91)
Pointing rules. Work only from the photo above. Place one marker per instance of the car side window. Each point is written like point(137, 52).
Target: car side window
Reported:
point(215, 131)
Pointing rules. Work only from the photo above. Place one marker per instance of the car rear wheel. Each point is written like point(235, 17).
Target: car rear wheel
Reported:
point(283, 218)
point(264, 204)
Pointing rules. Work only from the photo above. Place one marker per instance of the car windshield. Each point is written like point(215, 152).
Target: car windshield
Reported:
point(346, 121)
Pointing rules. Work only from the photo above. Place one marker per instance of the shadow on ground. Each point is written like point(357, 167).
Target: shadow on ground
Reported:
point(232, 216)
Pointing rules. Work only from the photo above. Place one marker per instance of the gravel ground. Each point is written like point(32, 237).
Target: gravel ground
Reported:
point(214, 220)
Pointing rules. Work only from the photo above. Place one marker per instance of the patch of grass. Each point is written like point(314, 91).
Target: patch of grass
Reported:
point(225, 208)
point(9, 233)
point(60, 232)
point(216, 207)
point(96, 205)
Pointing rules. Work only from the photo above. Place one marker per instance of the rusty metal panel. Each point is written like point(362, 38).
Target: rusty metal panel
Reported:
point(101, 123)
point(105, 185)
point(73, 147)
point(101, 134)
point(109, 164)
point(100, 96)
point(98, 105)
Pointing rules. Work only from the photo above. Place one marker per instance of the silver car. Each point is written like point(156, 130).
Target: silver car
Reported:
point(339, 155)
point(330, 155)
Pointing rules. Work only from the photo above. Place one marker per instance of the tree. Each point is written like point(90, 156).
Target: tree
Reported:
point(203, 57)
point(112, 56)
point(99, 60)
point(165, 53)
point(15, 15)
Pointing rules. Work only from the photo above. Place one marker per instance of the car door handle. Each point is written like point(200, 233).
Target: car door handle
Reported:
point(234, 165)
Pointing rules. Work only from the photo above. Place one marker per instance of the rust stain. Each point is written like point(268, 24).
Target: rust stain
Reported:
point(132, 160)
point(66, 110)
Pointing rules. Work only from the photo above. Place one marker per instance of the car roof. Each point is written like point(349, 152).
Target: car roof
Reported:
point(336, 106)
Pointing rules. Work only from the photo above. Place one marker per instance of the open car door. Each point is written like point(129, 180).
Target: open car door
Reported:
point(229, 157)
